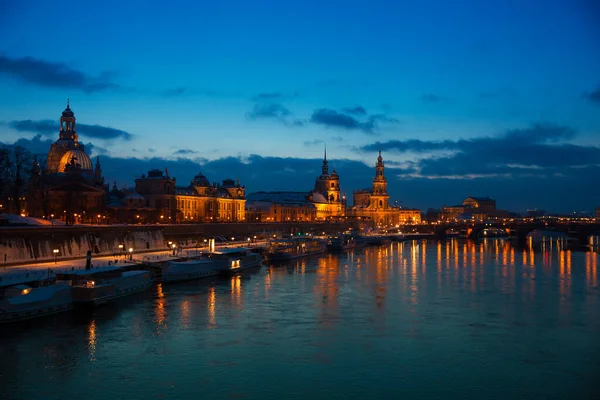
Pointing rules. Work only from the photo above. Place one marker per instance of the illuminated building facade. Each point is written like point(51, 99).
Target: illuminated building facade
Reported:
point(374, 204)
point(280, 207)
point(200, 201)
point(481, 204)
point(70, 188)
point(324, 202)
point(326, 196)
point(478, 208)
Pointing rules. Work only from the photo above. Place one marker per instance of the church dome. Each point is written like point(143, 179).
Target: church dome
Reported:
point(200, 180)
point(334, 175)
point(75, 158)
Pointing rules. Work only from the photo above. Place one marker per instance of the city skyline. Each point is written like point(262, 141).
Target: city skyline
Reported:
point(505, 106)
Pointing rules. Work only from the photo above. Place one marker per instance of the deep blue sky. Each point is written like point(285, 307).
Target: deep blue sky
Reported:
point(498, 98)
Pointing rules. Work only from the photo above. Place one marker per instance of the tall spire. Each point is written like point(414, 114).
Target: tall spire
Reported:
point(325, 167)
point(68, 103)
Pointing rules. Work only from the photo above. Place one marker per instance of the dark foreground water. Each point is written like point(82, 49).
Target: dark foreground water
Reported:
point(450, 320)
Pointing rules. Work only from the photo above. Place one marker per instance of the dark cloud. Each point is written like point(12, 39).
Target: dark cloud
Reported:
point(313, 142)
point(356, 110)
point(56, 75)
point(539, 151)
point(593, 96)
point(51, 128)
point(334, 119)
point(36, 145)
point(183, 152)
point(268, 110)
point(174, 92)
point(93, 150)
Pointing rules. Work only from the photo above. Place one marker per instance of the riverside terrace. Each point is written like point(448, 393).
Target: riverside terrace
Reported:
point(36, 244)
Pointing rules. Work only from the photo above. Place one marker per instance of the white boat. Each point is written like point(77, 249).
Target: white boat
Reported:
point(99, 285)
point(177, 271)
point(22, 302)
point(233, 259)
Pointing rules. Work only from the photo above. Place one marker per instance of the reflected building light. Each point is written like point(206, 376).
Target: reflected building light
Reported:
point(92, 340)
point(236, 289)
point(185, 313)
point(212, 301)
point(159, 309)
point(532, 258)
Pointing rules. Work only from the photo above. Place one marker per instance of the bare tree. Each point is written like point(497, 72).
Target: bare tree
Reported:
point(15, 169)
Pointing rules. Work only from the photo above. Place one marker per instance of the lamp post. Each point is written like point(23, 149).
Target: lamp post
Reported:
point(173, 246)
point(120, 249)
point(55, 251)
point(130, 253)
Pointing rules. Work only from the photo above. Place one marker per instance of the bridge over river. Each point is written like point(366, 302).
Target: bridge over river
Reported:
point(519, 230)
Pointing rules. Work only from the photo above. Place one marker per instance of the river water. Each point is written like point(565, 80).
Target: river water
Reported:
point(447, 320)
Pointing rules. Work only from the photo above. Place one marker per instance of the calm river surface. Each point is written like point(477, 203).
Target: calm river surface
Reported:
point(448, 320)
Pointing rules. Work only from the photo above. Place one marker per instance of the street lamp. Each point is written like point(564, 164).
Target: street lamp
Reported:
point(173, 247)
point(130, 253)
point(121, 248)
point(55, 251)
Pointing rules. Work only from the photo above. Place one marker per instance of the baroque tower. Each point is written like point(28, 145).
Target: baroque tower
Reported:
point(68, 140)
point(380, 197)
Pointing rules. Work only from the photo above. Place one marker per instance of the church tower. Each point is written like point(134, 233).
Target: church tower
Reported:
point(325, 167)
point(68, 140)
point(380, 197)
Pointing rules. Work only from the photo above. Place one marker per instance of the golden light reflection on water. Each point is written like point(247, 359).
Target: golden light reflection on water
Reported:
point(564, 271)
point(211, 304)
point(159, 309)
point(327, 288)
point(591, 270)
point(236, 289)
point(185, 313)
point(92, 340)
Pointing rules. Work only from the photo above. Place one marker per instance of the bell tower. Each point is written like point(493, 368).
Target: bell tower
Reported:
point(67, 140)
point(67, 124)
point(380, 197)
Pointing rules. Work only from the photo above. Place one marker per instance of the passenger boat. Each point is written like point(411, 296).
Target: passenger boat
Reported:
point(345, 241)
point(99, 285)
point(295, 247)
point(232, 259)
point(377, 240)
point(184, 270)
point(34, 299)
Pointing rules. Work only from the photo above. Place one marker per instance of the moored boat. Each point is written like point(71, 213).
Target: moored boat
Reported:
point(295, 247)
point(25, 301)
point(345, 241)
point(99, 285)
point(233, 259)
point(377, 240)
point(177, 271)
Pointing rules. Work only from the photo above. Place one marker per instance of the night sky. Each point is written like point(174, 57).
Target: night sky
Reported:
point(464, 98)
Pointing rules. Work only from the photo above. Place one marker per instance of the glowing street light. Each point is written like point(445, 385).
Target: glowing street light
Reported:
point(55, 251)
point(130, 253)
point(173, 247)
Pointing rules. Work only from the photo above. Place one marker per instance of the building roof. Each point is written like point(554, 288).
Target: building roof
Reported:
point(476, 198)
point(77, 158)
point(278, 197)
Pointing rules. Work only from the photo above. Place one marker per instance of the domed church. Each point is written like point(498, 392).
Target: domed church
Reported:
point(70, 187)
